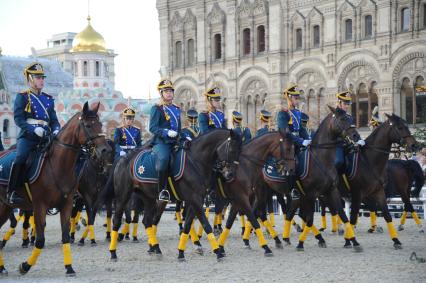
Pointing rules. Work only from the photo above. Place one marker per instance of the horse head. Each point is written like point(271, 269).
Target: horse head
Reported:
point(341, 125)
point(400, 133)
point(228, 154)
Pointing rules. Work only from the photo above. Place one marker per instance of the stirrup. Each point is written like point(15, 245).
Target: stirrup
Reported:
point(164, 195)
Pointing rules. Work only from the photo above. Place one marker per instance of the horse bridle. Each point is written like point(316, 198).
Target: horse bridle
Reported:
point(343, 131)
point(220, 165)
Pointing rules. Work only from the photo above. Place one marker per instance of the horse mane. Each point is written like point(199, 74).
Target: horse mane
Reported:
point(375, 131)
point(257, 137)
point(210, 131)
point(321, 125)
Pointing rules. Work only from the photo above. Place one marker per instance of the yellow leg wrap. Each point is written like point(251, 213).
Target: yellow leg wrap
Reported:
point(403, 217)
point(286, 229)
point(304, 234)
point(66, 248)
point(91, 232)
point(154, 228)
point(315, 230)
point(72, 225)
point(178, 217)
point(114, 240)
point(339, 220)
point(323, 222)
point(77, 217)
point(135, 230)
point(194, 236)
point(334, 223)
point(34, 256)
point(8, 234)
point(392, 232)
point(223, 237)
point(219, 218)
point(293, 222)
point(212, 241)
point(247, 231)
point(270, 229)
point(207, 212)
point(416, 218)
point(125, 229)
point(260, 236)
point(1, 260)
point(18, 218)
point(85, 233)
point(152, 235)
point(182, 241)
point(373, 219)
point(272, 218)
point(24, 234)
point(108, 223)
point(303, 224)
point(215, 220)
point(243, 221)
point(349, 231)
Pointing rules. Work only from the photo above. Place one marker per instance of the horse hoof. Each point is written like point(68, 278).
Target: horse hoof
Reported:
point(181, 259)
point(114, 257)
point(322, 229)
point(380, 230)
point(300, 249)
point(3, 271)
point(287, 241)
point(322, 245)
point(397, 246)
point(400, 227)
point(24, 268)
point(220, 257)
point(279, 245)
point(135, 240)
point(2, 244)
point(358, 249)
point(347, 246)
point(199, 250)
point(371, 230)
point(181, 256)
point(80, 243)
point(70, 271)
point(93, 243)
point(421, 231)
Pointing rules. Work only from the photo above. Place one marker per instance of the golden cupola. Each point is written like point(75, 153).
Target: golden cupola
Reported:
point(88, 40)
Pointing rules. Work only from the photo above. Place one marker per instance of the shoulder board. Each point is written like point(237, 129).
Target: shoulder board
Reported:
point(48, 95)
point(136, 128)
point(176, 105)
point(25, 91)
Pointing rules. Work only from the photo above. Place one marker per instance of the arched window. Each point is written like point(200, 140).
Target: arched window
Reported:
point(299, 39)
point(6, 128)
point(407, 101)
point(85, 71)
point(178, 55)
point(312, 104)
point(368, 26)
point(405, 19)
point(261, 46)
point(190, 52)
point(424, 15)
point(348, 30)
point(217, 46)
point(246, 41)
point(420, 95)
point(98, 69)
point(316, 36)
point(75, 69)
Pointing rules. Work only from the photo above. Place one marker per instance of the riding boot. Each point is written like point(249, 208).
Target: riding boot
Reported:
point(163, 193)
point(15, 175)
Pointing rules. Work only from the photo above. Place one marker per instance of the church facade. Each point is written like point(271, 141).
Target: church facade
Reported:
point(253, 49)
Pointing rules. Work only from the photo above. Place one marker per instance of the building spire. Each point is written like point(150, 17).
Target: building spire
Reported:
point(88, 11)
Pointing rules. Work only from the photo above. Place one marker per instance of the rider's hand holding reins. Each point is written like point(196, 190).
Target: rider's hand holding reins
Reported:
point(361, 142)
point(306, 142)
point(172, 133)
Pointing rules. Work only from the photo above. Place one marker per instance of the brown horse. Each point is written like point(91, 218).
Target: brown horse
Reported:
point(370, 178)
point(240, 190)
point(57, 183)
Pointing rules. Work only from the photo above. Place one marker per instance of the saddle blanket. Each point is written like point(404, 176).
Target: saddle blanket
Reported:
point(271, 173)
point(351, 167)
point(6, 161)
point(144, 166)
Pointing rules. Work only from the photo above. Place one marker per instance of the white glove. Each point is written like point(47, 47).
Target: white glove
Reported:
point(306, 142)
point(122, 153)
point(189, 138)
point(39, 131)
point(172, 133)
point(361, 142)
point(55, 132)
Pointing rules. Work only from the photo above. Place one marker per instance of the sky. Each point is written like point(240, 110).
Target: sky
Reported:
point(129, 27)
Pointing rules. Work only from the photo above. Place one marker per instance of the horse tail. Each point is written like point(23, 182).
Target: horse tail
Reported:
point(418, 177)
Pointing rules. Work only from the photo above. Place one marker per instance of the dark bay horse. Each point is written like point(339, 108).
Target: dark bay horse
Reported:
point(322, 178)
point(240, 191)
point(191, 188)
point(57, 182)
point(370, 178)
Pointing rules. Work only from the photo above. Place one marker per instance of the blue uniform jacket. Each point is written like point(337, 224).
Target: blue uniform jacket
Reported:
point(298, 132)
point(127, 136)
point(32, 106)
point(191, 132)
point(262, 131)
point(244, 132)
point(162, 119)
point(211, 120)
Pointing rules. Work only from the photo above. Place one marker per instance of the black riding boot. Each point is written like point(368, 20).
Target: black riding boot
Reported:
point(15, 175)
point(163, 193)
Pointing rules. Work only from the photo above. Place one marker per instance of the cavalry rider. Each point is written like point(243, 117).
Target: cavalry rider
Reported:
point(127, 136)
point(344, 101)
point(213, 117)
point(192, 130)
point(290, 117)
point(237, 119)
point(305, 120)
point(165, 125)
point(34, 112)
point(375, 120)
point(265, 123)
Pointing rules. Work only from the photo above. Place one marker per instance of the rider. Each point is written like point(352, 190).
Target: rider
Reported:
point(192, 130)
point(127, 136)
point(34, 113)
point(213, 117)
point(245, 133)
point(344, 101)
point(265, 123)
point(375, 120)
point(305, 120)
point(165, 125)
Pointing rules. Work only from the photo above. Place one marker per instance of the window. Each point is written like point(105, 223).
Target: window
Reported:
point(6, 128)
point(316, 36)
point(217, 46)
point(246, 41)
point(261, 39)
point(298, 39)
point(424, 15)
point(190, 52)
point(405, 19)
point(178, 59)
point(75, 69)
point(85, 68)
point(368, 26)
point(97, 69)
point(348, 30)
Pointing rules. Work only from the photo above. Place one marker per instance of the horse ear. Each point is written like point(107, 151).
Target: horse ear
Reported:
point(387, 115)
point(85, 107)
point(97, 107)
point(332, 109)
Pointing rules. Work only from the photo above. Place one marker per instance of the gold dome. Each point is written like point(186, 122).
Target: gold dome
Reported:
point(88, 40)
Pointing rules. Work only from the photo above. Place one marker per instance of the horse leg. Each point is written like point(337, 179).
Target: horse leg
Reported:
point(91, 221)
point(25, 226)
point(307, 208)
point(323, 214)
point(268, 225)
point(5, 213)
point(381, 202)
point(40, 223)
point(11, 230)
point(124, 233)
point(135, 222)
point(73, 222)
point(108, 207)
point(225, 233)
point(66, 247)
point(178, 215)
point(32, 225)
point(373, 217)
point(408, 207)
point(118, 214)
point(189, 219)
point(292, 207)
point(200, 228)
point(150, 208)
point(86, 230)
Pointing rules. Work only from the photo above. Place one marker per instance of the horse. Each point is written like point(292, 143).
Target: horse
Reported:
point(25, 216)
point(240, 192)
point(322, 178)
point(191, 188)
point(368, 181)
point(57, 182)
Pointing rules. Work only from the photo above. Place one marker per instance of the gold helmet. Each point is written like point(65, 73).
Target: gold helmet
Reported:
point(213, 93)
point(33, 69)
point(293, 90)
point(165, 84)
point(129, 112)
point(345, 97)
point(237, 117)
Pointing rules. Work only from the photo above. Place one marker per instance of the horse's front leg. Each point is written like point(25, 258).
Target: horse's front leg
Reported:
point(189, 218)
point(229, 222)
point(65, 227)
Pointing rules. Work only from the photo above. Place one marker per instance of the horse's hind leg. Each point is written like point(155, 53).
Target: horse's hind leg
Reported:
point(229, 222)
point(25, 226)
point(11, 230)
point(381, 202)
point(178, 215)
point(66, 247)
point(189, 219)
point(5, 213)
point(408, 207)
